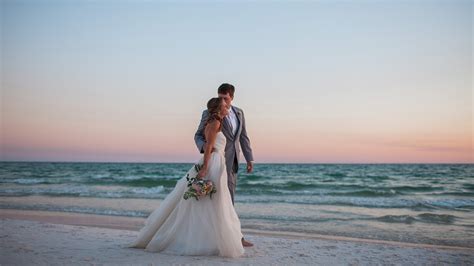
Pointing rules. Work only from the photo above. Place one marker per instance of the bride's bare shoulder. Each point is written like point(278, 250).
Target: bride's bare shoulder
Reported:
point(213, 124)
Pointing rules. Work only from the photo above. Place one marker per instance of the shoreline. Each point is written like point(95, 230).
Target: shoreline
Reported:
point(135, 223)
point(28, 242)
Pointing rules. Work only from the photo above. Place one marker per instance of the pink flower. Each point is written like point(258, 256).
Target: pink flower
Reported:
point(197, 187)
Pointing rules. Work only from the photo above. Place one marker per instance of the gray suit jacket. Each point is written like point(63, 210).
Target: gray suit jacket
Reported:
point(234, 142)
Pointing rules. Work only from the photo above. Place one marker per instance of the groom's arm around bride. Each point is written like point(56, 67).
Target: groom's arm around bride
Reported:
point(235, 131)
point(200, 140)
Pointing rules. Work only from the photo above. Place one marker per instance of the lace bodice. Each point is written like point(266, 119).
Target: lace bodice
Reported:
point(219, 145)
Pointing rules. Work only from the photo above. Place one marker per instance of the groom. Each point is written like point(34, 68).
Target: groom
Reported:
point(236, 137)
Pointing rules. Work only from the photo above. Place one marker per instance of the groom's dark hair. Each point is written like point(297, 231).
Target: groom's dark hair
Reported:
point(225, 88)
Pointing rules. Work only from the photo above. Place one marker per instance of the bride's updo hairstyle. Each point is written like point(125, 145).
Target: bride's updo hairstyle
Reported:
point(213, 107)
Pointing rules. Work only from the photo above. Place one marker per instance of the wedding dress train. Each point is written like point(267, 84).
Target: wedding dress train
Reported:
point(191, 227)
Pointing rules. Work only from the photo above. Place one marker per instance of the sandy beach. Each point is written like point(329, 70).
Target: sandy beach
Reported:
point(53, 238)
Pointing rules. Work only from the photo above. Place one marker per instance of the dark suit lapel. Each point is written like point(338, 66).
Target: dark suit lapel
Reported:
point(226, 129)
point(239, 120)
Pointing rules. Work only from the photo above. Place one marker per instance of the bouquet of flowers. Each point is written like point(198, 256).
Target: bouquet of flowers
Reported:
point(198, 188)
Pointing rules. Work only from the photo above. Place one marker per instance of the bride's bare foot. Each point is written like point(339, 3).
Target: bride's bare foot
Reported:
point(246, 243)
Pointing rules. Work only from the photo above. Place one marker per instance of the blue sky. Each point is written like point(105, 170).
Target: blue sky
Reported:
point(394, 75)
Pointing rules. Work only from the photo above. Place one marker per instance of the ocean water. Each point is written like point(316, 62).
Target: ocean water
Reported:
point(417, 203)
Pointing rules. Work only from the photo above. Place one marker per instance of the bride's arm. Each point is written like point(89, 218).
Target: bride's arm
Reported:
point(210, 133)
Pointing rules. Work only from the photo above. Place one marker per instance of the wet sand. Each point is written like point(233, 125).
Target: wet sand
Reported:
point(57, 238)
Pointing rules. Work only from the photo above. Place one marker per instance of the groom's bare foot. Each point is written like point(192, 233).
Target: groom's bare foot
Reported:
point(246, 243)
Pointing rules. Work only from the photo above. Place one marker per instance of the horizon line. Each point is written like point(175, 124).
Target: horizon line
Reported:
point(16, 161)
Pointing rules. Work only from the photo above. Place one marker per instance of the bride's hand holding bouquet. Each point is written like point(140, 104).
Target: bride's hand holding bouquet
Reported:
point(202, 172)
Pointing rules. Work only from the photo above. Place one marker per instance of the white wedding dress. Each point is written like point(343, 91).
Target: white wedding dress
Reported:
point(191, 227)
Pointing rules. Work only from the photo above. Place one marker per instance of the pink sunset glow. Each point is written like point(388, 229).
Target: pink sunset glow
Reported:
point(130, 85)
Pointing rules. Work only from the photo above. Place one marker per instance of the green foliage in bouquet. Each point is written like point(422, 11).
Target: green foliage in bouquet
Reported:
point(198, 187)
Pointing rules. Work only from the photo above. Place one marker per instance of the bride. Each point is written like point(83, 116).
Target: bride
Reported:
point(209, 226)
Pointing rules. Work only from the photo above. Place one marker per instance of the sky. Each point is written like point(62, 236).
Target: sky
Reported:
point(319, 81)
